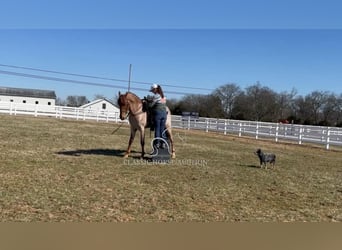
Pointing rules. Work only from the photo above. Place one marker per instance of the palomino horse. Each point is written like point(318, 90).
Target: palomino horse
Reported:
point(132, 106)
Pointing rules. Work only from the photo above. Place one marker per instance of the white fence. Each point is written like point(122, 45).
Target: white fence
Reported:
point(276, 131)
point(300, 133)
point(58, 112)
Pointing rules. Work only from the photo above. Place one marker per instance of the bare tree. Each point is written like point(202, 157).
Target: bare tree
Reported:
point(261, 103)
point(285, 102)
point(309, 109)
point(316, 101)
point(174, 107)
point(76, 101)
point(240, 110)
point(332, 110)
point(98, 96)
point(205, 105)
point(339, 111)
point(228, 94)
point(60, 102)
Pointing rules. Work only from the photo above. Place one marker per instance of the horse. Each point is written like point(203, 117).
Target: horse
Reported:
point(131, 106)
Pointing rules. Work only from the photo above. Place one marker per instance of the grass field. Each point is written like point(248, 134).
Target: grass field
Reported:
point(64, 170)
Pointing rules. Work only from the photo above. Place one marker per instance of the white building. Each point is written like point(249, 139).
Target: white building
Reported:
point(101, 106)
point(28, 96)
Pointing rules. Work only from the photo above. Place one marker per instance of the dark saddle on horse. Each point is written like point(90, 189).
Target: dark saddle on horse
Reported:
point(149, 116)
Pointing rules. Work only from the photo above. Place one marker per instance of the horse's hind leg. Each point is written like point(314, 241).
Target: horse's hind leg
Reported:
point(142, 142)
point(130, 142)
point(173, 152)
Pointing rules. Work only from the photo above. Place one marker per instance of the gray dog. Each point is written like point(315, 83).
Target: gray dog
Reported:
point(265, 158)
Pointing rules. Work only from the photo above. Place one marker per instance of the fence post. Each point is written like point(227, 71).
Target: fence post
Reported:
point(257, 131)
point(328, 139)
point(322, 136)
point(285, 132)
point(300, 135)
point(189, 122)
point(36, 110)
point(240, 129)
point(207, 125)
point(277, 132)
point(225, 127)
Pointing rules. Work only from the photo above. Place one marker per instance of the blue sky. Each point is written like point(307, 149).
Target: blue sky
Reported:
point(199, 45)
point(163, 14)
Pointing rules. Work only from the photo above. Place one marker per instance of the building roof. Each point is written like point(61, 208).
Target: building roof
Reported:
point(97, 101)
point(38, 93)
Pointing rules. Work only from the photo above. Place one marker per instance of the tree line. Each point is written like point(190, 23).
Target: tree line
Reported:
point(254, 103)
point(260, 103)
point(78, 101)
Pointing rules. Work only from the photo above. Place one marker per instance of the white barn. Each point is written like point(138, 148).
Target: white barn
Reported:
point(101, 106)
point(28, 96)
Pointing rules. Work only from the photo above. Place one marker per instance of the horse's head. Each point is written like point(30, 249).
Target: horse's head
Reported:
point(124, 105)
point(128, 103)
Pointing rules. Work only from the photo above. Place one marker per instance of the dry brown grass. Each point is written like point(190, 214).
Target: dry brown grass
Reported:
point(62, 170)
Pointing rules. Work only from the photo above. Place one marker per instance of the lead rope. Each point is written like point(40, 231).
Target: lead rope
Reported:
point(119, 125)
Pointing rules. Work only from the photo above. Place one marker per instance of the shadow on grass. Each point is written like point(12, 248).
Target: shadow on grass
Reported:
point(250, 166)
point(97, 151)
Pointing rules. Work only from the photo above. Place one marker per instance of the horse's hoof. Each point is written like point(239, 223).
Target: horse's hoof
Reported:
point(125, 156)
point(173, 156)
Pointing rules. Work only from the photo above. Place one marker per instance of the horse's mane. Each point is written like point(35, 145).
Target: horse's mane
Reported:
point(128, 92)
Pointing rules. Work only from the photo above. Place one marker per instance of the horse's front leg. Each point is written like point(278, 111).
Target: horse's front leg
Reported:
point(142, 142)
point(130, 142)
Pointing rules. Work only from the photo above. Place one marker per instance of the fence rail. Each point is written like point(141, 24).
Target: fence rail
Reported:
point(58, 112)
point(293, 132)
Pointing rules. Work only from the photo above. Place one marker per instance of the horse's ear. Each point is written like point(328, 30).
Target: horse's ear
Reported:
point(119, 93)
